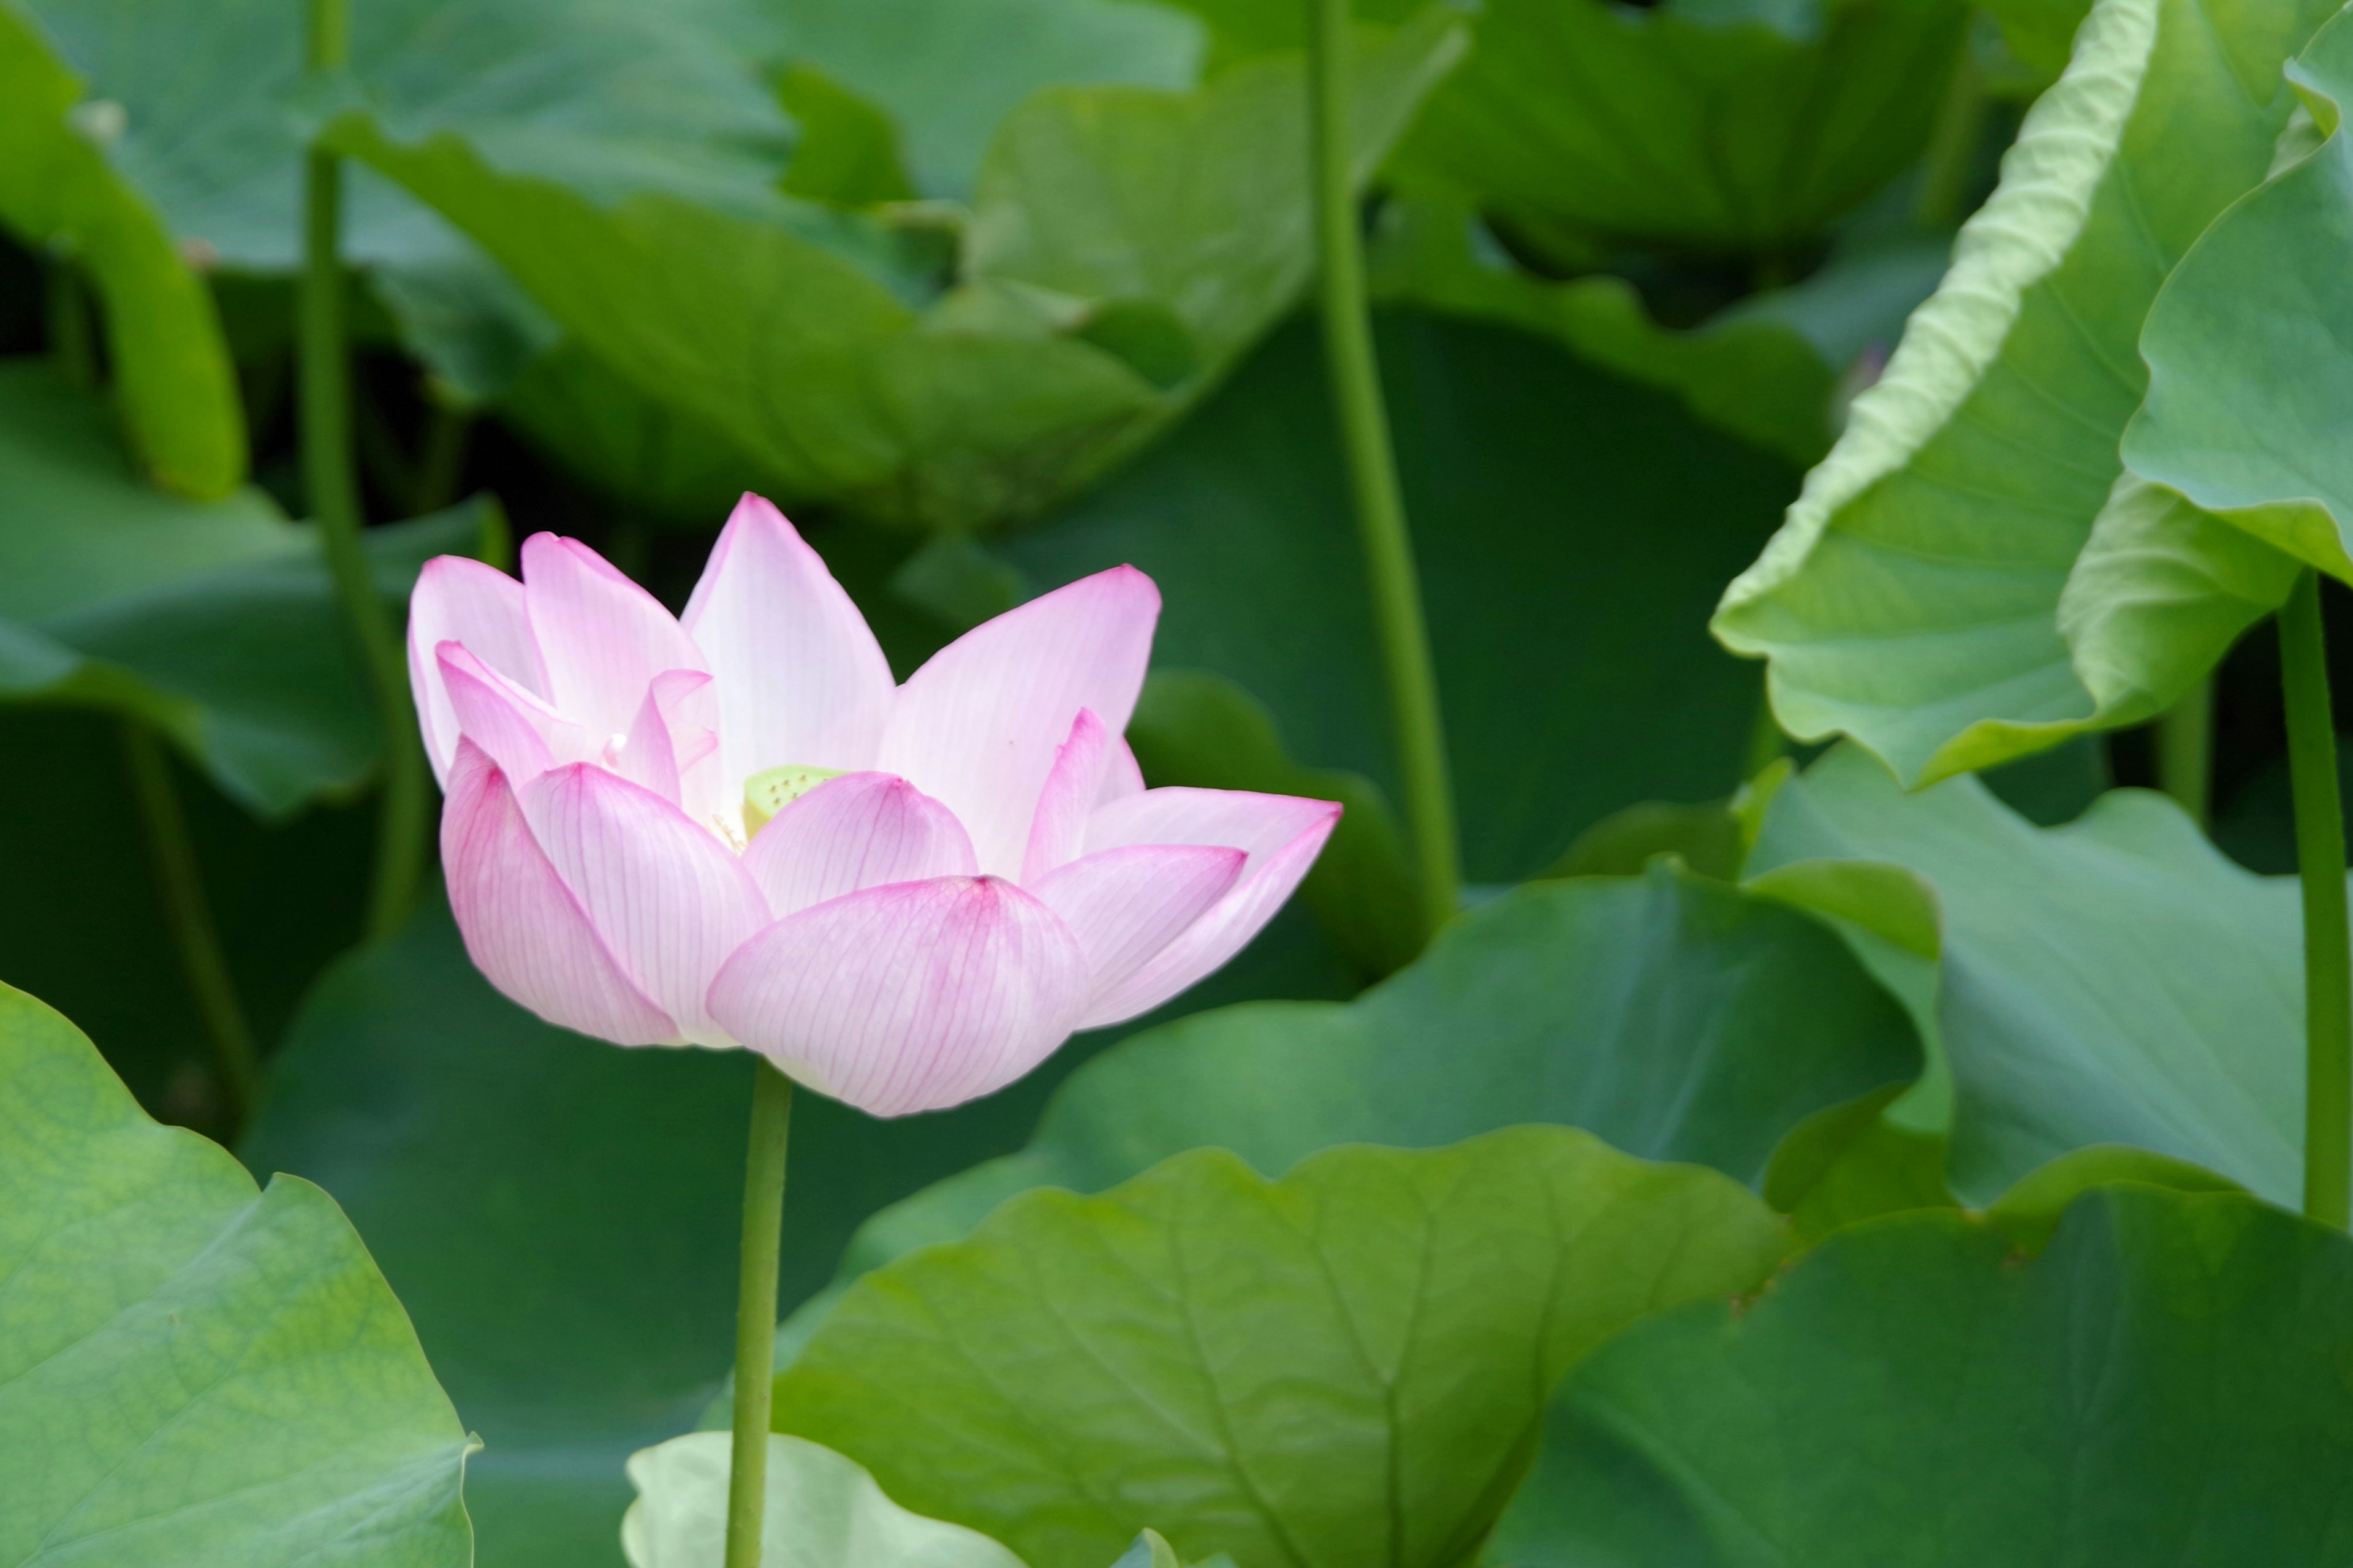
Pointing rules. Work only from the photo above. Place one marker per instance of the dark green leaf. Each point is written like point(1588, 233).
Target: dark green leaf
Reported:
point(1342, 1366)
point(2165, 1384)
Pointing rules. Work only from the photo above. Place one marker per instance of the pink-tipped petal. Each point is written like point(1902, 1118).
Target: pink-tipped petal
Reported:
point(1126, 905)
point(801, 679)
point(524, 929)
point(671, 900)
point(1059, 827)
point(457, 600)
point(913, 997)
point(861, 830)
point(978, 726)
point(602, 637)
point(1121, 776)
point(1282, 835)
point(513, 728)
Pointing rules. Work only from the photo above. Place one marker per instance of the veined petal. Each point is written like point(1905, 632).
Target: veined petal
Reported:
point(1281, 835)
point(1059, 827)
point(1125, 905)
point(524, 929)
point(860, 830)
point(801, 678)
point(522, 735)
point(671, 750)
point(978, 726)
point(671, 900)
point(913, 997)
point(457, 600)
point(1121, 776)
point(602, 637)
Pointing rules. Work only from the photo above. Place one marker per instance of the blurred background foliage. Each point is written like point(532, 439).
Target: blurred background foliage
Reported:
point(991, 294)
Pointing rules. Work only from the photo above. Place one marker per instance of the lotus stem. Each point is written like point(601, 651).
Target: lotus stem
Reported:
point(2184, 752)
point(73, 341)
point(323, 363)
point(2328, 953)
point(756, 1313)
point(1372, 473)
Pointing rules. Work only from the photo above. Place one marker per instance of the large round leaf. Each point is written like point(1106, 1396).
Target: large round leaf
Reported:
point(562, 1215)
point(1571, 531)
point(193, 1371)
point(1913, 599)
point(2165, 1384)
point(1672, 1015)
point(2113, 980)
point(1342, 1366)
point(1742, 127)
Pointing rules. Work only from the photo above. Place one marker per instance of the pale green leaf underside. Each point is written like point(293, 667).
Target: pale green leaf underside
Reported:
point(823, 1511)
point(193, 1372)
point(1913, 598)
point(2113, 980)
point(172, 378)
point(1342, 1367)
point(2249, 376)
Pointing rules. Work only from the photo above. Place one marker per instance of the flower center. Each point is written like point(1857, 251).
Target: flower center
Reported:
point(771, 790)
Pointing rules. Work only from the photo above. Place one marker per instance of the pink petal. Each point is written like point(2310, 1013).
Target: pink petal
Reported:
point(604, 638)
point(1125, 905)
point(801, 679)
point(524, 929)
point(1282, 834)
point(861, 830)
point(669, 898)
point(457, 600)
point(979, 725)
point(671, 750)
point(1121, 776)
point(513, 728)
point(1060, 824)
point(913, 997)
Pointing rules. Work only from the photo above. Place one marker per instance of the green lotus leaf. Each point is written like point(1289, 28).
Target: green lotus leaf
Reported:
point(2113, 981)
point(1671, 1015)
point(2240, 348)
point(1347, 1365)
point(761, 323)
point(1718, 127)
point(2164, 1382)
point(191, 1371)
point(215, 621)
point(1913, 597)
point(172, 377)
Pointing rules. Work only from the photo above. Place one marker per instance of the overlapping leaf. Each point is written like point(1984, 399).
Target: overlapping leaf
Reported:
point(2113, 980)
point(193, 1370)
point(1094, 305)
point(1674, 1015)
point(178, 393)
point(1345, 1366)
point(215, 621)
point(1913, 598)
point(2244, 347)
point(1743, 127)
point(2163, 1384)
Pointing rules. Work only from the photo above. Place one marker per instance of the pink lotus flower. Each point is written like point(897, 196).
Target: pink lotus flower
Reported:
point(736, 830)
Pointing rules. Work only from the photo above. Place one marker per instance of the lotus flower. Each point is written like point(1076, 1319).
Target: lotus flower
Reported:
point(735, 830)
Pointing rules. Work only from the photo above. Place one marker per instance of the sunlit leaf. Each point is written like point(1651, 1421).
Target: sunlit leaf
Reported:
point(1913, 598)
point(1345, 1366)
point(193, 1370)
point(2166, 1382)
point(175, 388)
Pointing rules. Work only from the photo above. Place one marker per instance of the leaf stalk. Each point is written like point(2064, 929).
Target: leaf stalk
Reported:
point(2327, 951)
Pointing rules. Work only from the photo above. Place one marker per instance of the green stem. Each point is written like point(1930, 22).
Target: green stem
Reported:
point(73, 339)
point(441, 456)
point(2327, 954)
point(2184, 752)
point(333, 491)
point(181, 882)
point(1372, 473)
point(1952, 146)
point(755, 1314)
